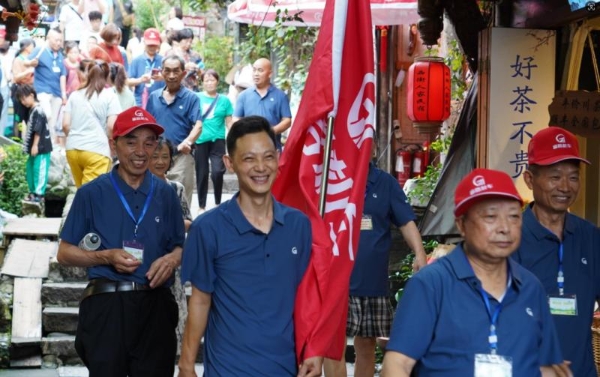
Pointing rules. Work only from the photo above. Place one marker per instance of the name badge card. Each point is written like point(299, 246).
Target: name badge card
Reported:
point(489, 365)
point(563, 305)
point(134, 248)
point(56, 69)
point(366, 223)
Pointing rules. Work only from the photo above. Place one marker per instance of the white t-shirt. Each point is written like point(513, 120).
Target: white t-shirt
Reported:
point(88, 120)
point(71, 21)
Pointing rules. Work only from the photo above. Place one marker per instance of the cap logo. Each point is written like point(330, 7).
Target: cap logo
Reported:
point(139, 113)
point(480, 185)
point(562, 144)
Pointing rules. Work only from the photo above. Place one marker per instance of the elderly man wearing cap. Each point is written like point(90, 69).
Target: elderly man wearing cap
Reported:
point(144, 70)
point(127, 315)
point(560, 248)
point(476, 312)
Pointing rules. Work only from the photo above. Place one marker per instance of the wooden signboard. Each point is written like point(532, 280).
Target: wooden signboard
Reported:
point(577, 111)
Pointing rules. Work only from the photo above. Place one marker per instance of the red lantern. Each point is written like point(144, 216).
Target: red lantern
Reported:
point(429, 92)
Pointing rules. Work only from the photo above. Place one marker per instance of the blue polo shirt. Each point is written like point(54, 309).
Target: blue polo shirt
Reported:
point(253, 278)
point(273, 106)
point(442, 321)
point(178, 117)
point(48, 71)
point(97, 208)
point(138, 67)
point(385, 204)
point(539, 253)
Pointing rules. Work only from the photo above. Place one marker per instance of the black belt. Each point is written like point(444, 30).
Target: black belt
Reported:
point(98, 286)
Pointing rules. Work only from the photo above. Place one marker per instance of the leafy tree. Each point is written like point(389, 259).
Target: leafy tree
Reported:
point(217, 53)
point(14, 188)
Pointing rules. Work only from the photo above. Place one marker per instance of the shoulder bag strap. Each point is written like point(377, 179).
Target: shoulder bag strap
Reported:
point(212, 106)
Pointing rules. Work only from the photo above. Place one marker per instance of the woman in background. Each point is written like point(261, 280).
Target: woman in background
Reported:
point(72, 65)
point(22, 73)
point(88, 121)
point(118, 78)
point(108, 48)
point(216, 113)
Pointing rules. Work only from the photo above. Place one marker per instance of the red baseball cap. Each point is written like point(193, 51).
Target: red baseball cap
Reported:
point(552, 145)
point(483, 184)
point(133, 118)
point(152, 37)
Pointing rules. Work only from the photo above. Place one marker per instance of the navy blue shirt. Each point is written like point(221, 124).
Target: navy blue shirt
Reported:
point(253, 278)
point(385, 204)
point(138, 67)
point(48, 71)
point(178, 117)
point(274, 106)
point(539, 253)
point(97, 208)
point(442, 321)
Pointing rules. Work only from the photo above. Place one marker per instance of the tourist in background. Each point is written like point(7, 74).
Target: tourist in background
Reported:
point(108, 48)
point(22, 74)
point(72, 65)
point(216, 113)
point(89, 117)
point(118, 78)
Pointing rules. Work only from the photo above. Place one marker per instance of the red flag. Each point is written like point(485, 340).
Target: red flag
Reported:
point(341, 83)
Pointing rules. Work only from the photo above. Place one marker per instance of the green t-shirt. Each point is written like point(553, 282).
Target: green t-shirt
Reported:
point(213, 125)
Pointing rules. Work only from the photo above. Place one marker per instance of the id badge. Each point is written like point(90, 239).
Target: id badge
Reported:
point(563, 305)
point(56, 69)
point(488, 365)
point(366, 223)
point(134, 248)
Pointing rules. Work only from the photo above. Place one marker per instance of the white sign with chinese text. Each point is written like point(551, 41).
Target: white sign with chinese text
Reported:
point(522, 65)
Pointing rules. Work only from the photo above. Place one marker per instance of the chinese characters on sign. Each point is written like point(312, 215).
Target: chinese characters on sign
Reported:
point(577, 111)
point(520, 88)
point(523, 70)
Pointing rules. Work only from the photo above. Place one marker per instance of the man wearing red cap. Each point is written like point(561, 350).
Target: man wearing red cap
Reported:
point(144, 70)
point(475, 312)
point(127, 316)
point(560, 248)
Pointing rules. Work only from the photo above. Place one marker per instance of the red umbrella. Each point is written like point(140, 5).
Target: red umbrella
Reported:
point(263, 12)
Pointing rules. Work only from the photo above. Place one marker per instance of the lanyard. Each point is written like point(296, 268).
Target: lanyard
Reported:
point(148, 66)
point(560, 279)
point(126, 205)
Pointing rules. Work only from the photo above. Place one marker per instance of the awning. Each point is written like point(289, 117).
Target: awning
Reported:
point(263, 12)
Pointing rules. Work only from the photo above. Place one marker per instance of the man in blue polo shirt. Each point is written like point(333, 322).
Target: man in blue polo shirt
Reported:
point(144, 70)
point(560, 248)
point(50, 78)
point(178, 109)
point(370, 312)
point(245, 260)
point(265, 99)
point(127, 316)
point(476, 312)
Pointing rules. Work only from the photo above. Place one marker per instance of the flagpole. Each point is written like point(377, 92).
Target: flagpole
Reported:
point(326, 158)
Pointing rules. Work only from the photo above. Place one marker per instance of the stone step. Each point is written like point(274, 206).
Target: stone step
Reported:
point(59, 273)
point(59, 349)
point(62, 294)
point(60, 319)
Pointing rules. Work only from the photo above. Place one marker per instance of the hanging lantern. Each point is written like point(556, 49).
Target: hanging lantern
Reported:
point(428, 99)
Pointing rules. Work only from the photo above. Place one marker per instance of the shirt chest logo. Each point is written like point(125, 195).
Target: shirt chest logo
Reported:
point(294, 250)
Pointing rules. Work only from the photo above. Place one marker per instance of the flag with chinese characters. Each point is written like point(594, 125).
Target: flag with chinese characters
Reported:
point(341, 84)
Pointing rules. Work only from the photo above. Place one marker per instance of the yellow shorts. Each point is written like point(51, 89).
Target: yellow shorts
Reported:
point(86, 166)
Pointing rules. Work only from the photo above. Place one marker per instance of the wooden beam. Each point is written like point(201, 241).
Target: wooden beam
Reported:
point(27, 311)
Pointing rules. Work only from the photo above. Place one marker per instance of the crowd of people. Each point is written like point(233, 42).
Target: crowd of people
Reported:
point(142, 124)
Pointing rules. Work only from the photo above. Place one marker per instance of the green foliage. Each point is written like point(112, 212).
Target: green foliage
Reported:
point(292, 46)
point(217, 53)
point(148, 13)
point(14, 188)
point(424, 186)
point(456, 61)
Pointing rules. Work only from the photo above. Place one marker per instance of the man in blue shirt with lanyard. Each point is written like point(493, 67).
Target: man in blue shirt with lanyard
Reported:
point(560, 248)
point(144, 70)
point(245, 260)
point(476, 312)
point(266, 100)
point(127, 316)
point(50, 78)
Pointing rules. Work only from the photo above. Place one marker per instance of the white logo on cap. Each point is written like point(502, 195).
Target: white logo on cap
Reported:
point(560, 138)
point(478, 180)
point(139, 113)
point(480, 185)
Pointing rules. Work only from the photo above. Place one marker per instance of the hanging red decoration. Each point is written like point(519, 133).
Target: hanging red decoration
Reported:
point(429, 90)
point(383, 47)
